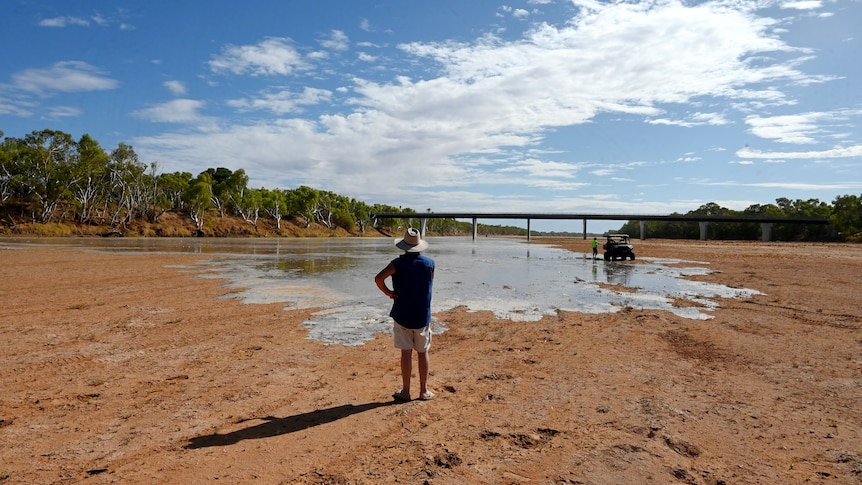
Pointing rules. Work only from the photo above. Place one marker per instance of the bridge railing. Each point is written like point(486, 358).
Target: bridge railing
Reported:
point(703, 220)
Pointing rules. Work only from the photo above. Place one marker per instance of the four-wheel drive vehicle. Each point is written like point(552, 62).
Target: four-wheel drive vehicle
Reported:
point(618, 247)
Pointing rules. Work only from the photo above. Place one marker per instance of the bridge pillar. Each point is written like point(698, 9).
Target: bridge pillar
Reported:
point(643, 229)
point(703, 227)
point(475, 228)
point(423, 225)
point(528, 229)
point(766, 231)
point(585, 229)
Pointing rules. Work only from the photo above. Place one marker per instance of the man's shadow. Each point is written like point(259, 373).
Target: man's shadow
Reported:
point(279, 426)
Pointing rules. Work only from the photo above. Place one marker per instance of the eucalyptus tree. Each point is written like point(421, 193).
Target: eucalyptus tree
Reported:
point(303, 202)
point(226, 186)
point(10, 168)
point(92, 177)
point(248, 204)
point(802, 208)
point(171, 189)
point(129, 185)
point(445, 226)
point(274, 203)
point(382, 208)
point(714, 231)
point(199, 198)
point(47, 158)
point(752, 230)
point(340, 214)
point(360, 213)
point(157, 199)
point(333, 210)
point(847, 215)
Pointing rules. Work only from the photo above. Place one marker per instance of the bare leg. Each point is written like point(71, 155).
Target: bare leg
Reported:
point(424, 361)
point(406, 370)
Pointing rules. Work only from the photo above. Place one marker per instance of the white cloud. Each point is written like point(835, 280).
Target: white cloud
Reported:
point(176, 111)
point(842, 152)
point(798, 128)
point(68, 21)
point(786, 129)
point(176, 87)
point(539, 168)
point(57, 112)
point(803, 186)
point(317, 55)
point(337, 41)
point(271, 56)
point(64, 22)
point(16, 107)
point(65, 76)
point(100, 20)
point(803, 5)
point(696, 119)
point(282, 102)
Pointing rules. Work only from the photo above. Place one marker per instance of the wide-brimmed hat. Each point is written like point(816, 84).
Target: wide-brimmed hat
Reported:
point(411, 242)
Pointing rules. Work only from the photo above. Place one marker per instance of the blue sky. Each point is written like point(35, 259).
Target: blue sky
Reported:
point(527, 106)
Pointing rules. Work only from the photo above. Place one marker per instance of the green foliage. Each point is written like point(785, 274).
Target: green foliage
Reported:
point(751, 230)
point(303, 202)
point(172, 186)
point(274, 203)
point(846, 215)
point(46, 162)
point(199, 197)
point(91, 176)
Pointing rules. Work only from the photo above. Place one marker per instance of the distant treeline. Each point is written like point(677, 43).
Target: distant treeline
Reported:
point(844, 215)
point(48, 177)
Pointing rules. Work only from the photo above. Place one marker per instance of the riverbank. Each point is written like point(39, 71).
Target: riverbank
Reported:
point(172, 224)
point(124, 367)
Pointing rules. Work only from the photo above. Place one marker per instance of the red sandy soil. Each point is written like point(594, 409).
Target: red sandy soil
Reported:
point(124, 368)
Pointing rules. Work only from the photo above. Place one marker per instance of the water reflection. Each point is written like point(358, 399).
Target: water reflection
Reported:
point(513, 279)
point(617, 273)
point(313, 266)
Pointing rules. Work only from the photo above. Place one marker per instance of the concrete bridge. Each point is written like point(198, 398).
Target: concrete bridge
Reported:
point(765, 222)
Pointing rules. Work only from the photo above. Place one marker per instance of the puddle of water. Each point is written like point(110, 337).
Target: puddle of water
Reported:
point(515, 280)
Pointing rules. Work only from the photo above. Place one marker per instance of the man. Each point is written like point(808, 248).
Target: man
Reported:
point(595, 248)
point(412, 277)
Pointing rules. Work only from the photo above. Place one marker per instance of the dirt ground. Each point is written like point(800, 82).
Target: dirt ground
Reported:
point(125, 368)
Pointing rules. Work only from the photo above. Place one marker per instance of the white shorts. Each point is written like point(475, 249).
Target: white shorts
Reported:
point(418, 339)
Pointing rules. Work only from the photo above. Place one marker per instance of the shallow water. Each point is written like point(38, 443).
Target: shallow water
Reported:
point(514, 279)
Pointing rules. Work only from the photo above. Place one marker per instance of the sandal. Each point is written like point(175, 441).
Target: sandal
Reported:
point(400, 397)
point(427, 396)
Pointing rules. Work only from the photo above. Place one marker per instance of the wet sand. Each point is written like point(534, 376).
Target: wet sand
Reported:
point(125, 368)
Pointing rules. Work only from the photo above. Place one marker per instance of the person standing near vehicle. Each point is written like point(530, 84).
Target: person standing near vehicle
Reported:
point(595, 248)
point(412, 276)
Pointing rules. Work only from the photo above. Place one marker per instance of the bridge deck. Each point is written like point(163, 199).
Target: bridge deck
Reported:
point(601, 217)
point(766, 222)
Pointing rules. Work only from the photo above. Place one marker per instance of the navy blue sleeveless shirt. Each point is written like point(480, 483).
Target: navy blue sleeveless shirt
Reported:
point(412, 282)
